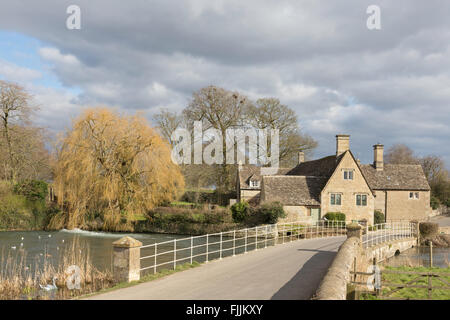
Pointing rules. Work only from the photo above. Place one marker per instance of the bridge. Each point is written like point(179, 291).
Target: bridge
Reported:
point(282, 261)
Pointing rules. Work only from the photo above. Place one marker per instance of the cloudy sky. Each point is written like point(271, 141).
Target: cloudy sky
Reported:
point(318, 57)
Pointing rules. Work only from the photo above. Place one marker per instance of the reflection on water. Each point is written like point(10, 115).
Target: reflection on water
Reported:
point(420, 256)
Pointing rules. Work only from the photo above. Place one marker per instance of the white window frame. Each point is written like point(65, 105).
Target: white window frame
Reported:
point(349, 173)
point(340, 199)
point(254, 183)
point(361, 200)
point(414, 195)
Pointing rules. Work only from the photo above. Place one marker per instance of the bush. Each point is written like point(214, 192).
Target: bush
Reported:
point(240, 211)
point(33, 190)
point(434, 202)
point(428, 229)
point(335, 216)
point(378, 217)
point(447, 203)
point(271, 212)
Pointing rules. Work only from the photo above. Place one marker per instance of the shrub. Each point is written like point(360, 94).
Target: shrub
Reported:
point(240, 211)
point(428, 229)
point(447, 203)
point(335, 216)
point(378, 217)
point(434, 202)
point(33, 190)
point(271, 212)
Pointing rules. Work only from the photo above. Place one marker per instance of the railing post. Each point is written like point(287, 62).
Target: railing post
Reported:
point(174, 254)
point(234, 243)
point(265, 239)
point(220, 251)
point(192, 247)
point(245, 245)
point(256, 239)
point(207, 244)
point(127, 259)
point(155, 259)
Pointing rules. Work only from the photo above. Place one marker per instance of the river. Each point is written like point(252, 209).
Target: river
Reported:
point(41, 245)
point(420, 256)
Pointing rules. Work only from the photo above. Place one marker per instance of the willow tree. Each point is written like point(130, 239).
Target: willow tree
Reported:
point(114, 166)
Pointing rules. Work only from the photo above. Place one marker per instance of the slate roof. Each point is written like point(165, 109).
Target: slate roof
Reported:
point(303, 184)
point(323, 167)
point(293, 190)
point(396, 177)
point(252, 172)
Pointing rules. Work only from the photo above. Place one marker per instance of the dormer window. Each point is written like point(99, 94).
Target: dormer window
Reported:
point(254, 183)
point(348, 174)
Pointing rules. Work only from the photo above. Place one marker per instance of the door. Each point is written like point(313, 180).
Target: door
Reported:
point(315, 214)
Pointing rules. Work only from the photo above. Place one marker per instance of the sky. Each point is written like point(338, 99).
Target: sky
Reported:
point(387, 86)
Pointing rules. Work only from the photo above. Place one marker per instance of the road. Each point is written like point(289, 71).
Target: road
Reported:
point(443, 220)
point(290, 271)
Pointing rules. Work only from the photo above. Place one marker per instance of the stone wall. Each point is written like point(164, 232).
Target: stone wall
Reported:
point(295, 213)
point(348, 190)
point(400, 207)
point(334, 284)
point(250, 195)
point(352, 256)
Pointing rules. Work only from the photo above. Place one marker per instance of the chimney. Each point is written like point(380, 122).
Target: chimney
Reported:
point(342, 143)
point(378, 156)
point(301, 157)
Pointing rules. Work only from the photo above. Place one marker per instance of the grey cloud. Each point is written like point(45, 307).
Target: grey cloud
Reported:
point(318, 57)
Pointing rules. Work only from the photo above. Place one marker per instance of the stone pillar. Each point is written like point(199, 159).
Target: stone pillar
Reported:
point(354, 230)
point(416, 230)
point(126, 259)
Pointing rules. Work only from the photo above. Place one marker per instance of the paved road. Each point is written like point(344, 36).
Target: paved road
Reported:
point(289, 271)
point(444, 220)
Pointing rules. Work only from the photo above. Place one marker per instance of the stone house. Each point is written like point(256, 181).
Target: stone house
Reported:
point(340, 183)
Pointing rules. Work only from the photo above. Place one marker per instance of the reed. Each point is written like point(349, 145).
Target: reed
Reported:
point(19, 281)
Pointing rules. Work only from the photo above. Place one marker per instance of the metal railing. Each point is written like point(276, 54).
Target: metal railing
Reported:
point(204, 248)
point(386, 232)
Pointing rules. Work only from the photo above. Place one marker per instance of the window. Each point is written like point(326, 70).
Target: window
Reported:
point(361, 200)
point(335, 199)
point(254, 183)
point(348, 174)
point(414, 195)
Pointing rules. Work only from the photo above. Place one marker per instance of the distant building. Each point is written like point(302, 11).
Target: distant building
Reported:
point(339, 183)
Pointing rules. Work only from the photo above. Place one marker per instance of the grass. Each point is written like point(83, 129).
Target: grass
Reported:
point(145, 278)
point(413, 293)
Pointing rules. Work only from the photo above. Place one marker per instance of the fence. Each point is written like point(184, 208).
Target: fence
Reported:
point(412, 280)
point(169, 254)
point(385, 232)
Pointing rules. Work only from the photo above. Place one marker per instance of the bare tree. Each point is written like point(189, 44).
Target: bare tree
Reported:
point(269, 113)
point(15, 112)
point(167, 122)
point(400, 154)
point(222, 110)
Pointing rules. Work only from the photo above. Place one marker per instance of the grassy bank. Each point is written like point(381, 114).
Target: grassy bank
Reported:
point(23, 206)
point(413, 293)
